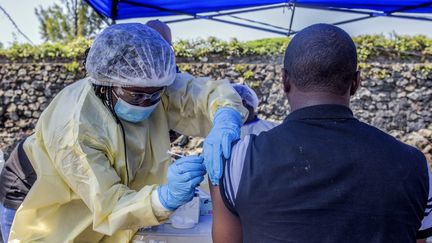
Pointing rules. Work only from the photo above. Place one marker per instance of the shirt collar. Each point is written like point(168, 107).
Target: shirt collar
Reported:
point(321, 112)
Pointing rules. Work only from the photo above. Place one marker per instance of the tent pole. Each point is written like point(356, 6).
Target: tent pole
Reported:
point(409, 17)
point(114, 8)
point(290, 31)
point(372, 13)
point(258, 22)
point(248, 10)
point(353, 20)
point(249, 26)
point(338, 10)
point(226, 13)
point(196, 16)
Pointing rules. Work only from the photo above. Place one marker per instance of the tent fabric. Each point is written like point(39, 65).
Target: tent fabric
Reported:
point(125, 9)
point(155, 8)
point(386, 6)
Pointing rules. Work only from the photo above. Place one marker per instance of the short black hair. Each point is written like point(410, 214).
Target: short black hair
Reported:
point(321, 57)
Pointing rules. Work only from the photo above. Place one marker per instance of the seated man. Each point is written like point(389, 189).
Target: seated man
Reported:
point(322, 175)
point(253, 125)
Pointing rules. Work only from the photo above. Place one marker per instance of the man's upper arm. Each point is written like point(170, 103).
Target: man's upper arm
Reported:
point(226, 226)
point(226, 223)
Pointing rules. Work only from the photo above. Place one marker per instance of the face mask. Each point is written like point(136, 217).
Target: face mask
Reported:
point(132, 113)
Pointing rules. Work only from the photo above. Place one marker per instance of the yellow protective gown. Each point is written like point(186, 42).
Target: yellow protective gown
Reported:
point(85, 191)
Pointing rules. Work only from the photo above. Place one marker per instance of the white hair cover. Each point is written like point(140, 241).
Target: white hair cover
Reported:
point(131, 54)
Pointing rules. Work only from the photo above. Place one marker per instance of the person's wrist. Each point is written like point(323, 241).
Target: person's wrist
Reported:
point(164, 200)
point(158, 208)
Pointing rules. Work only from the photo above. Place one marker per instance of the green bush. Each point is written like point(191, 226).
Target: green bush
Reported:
point(368, 47)
point(248, 75)
point(71, 50)
point(397, 46)
point(72, 67)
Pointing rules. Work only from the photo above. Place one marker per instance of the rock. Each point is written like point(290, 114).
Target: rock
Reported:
point(43, 106)
point(47, 92)
point(31, 91)
point(427, 133)
point(21, 123)
point(9, 124)
point(413, 116)
point(27, 113)
point(42, 100)
point(402, 82)
point(9, 93)
point(415, 139)
point(415, 126)
point(24, 97)
point(232, 74)
point(34, 106)
point(364, 93)
point(36, 114)
point(11, 108)
point(413, 96)
point(39, 85)
point(410, 88)
point(22, 107)
point(13, 116)
point(382, 106)
point(427, 149)
point(22, 72)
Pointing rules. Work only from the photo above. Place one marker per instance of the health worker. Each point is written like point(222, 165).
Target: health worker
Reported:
point(99, 151)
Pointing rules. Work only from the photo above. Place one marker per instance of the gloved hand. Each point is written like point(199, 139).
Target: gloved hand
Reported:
point(217, 145)
point(183, 176)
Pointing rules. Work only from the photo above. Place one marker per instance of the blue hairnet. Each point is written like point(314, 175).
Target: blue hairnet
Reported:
point(247, 94)
point(131, 55)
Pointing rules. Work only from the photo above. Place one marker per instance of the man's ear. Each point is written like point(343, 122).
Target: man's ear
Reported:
point(355, 83)
point(285, 81)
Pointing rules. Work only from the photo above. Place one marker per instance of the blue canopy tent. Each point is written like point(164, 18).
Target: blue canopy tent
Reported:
point(212, 9)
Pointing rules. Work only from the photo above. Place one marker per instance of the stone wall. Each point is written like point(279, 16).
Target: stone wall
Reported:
point(396, 97)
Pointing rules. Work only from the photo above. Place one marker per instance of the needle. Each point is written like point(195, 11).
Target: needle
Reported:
point(175, 154)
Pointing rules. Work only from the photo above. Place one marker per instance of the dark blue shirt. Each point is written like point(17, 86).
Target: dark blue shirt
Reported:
point(324, 176)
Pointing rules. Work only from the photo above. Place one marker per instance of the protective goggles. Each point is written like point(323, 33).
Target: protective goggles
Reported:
point(136, 98)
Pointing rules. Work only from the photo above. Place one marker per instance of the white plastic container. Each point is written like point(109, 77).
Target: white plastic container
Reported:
point(165, 233)
point(186, 216)
point(191, 223)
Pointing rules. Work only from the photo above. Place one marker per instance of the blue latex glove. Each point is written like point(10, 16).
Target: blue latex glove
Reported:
point(218, 144)
point(184, 175)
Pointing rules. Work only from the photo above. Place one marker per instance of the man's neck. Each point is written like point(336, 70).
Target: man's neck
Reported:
point(301, 100)
point(253, 119)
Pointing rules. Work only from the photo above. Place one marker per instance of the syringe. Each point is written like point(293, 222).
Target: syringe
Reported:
point(175, 154)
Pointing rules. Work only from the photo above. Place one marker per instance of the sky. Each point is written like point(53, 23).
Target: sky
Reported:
point(22, 11)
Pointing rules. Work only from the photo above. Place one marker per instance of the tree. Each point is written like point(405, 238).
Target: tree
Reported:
point(73, 19)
